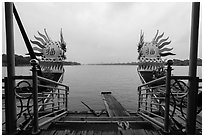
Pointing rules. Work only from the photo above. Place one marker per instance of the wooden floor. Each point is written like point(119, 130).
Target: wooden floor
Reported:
point(99, 129)
point(89, 125)
point(182, 119)
point(117, 121)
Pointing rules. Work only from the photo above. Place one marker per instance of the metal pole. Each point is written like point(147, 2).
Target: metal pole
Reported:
point(10, 98)
point(25, 37)
point(23, 32)
point(167, 97)
point(34, 69)
point(191, 105)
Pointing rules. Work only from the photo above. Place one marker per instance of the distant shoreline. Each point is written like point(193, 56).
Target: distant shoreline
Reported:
point(126, 65)
point(24, 61)
point(25, 65)
point(176, 62)
point(111, 64)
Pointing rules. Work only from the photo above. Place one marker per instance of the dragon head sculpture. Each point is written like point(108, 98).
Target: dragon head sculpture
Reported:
point(52, 52)
point(150, 53)
point(49, 50)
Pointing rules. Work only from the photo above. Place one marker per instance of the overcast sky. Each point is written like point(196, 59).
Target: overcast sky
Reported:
point(105, 32)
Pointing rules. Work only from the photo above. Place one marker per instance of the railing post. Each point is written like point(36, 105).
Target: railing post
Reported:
point(146, 96)
point(53, 102)
point(10, 111)
point(43, 101)
point(160, 107)
point(167, 97)
point(66, 94)
point(151, 101)
point(191, 104)
point(34, 70)
point(139, 92)
point(58, 99)
point(148, 101)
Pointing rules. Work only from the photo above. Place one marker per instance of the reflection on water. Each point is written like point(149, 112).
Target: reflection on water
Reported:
point(87, 81)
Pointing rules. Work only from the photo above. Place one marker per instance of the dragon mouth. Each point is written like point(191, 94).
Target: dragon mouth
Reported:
point(150, 66)
point(150, 53)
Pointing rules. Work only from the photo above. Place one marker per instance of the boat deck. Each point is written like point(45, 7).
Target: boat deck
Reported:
point(117, 121)
point(86, 124)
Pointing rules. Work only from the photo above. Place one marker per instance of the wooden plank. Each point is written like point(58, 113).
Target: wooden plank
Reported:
point(78, 132)
point(73, 132)
point(100, 128)
point(48, 132)
point(127, 132)
point(107, 133)
point(113, 107)
point(83, 132)
point(67, 132)
point(97, 132)
point(121, 118)
point(139, 132)
point(60, 132)
point(90, 132)
point(180, 119)
point(43, 120)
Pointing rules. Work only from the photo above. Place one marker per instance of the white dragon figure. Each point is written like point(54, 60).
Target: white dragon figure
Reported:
point(150, 53)
point(52, 52)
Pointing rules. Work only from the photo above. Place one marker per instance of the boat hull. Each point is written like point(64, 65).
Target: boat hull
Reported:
point(147, 76)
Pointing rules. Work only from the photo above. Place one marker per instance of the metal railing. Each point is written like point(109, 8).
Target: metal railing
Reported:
point(20, 102)
point(36, 101)
point(150, 103)
point(160, 104)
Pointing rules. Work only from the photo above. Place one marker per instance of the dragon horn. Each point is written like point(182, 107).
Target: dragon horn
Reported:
point(141, 36)
point(166, 54)
point(37, 43)
point(162, 40)
point(40, 39)
point(38, 49)
point(43, 36)
point(153, 40)
point(165, 49)
point(159, 37)
point(47, 35)
point(164, 44)
point(61, 36)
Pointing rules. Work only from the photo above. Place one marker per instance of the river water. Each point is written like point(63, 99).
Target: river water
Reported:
point(87, 81)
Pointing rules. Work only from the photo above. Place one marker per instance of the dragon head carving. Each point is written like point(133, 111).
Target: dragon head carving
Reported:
point(150, 53)
point(49, 49)
point(52, 52)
